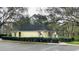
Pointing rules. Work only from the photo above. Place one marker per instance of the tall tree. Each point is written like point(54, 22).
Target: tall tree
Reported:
point(69, 15)
point(10, 14)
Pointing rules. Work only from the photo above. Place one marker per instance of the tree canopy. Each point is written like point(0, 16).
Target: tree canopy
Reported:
point(63, 20)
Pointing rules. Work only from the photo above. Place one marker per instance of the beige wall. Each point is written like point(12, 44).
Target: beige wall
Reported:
point(31, 34)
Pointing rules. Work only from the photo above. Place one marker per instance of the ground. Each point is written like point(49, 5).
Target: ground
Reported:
point(6, 45)
point(74, 42)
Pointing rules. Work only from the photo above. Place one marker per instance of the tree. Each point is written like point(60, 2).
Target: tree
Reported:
point(11, 14)
point(69, 15)
point(40, 19)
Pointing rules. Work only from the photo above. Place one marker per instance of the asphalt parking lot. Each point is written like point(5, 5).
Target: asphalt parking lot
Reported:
point(6, 45)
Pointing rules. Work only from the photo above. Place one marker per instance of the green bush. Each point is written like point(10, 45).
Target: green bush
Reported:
point(38, 39)
point(66, 39)
point(31, 39)
point(76, 38)
point(3, 35)
point(10, 35)
point(55, 40)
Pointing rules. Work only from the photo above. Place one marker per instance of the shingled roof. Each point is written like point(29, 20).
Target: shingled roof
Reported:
point(32, 27)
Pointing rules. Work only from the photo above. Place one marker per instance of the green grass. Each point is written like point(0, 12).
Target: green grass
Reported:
point(74, 42)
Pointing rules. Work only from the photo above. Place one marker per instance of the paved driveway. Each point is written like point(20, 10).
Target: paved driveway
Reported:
point(27, 46)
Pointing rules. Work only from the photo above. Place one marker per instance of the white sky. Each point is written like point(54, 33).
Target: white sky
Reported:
point(34, 10)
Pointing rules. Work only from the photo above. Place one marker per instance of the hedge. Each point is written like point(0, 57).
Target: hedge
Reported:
point(31, 39)
point(76, 38)
point(66, 39)
point(3, 35)
point(38, 39)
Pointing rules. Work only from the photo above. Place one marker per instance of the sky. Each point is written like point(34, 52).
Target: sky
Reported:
point(34, 10)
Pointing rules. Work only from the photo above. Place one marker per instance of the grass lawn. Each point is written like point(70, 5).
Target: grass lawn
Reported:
point(74, 42)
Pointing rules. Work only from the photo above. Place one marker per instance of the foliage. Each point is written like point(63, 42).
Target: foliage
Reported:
point(63, 20)
point(76, 38)
point(3, 35)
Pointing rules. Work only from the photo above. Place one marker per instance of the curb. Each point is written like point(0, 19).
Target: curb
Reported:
point(68, 44)
point(63, 44)
point(73, 44)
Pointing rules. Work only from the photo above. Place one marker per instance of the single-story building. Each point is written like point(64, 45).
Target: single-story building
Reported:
point(33, 33)
point(29, 30)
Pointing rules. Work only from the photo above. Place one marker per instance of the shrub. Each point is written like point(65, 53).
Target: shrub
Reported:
point(66, 39)
point(31, 39)
point(3, 35)
point(10, 35)
point(76, 38)
point(38, 39)
point(55, 40)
